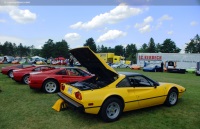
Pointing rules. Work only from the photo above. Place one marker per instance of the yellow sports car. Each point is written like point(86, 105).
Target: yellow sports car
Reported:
point(109, 93)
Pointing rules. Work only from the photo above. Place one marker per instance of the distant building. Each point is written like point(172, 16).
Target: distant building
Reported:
point(182, 60)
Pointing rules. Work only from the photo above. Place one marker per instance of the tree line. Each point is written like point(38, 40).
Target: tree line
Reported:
point(61, 48)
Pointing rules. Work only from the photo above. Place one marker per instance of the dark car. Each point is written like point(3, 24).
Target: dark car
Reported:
point(152, 68)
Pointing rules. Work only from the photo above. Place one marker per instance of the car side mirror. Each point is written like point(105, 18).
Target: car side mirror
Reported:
point(155, 85)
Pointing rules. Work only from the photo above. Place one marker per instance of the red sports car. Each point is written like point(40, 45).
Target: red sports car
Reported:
point(9, 69)
point(22, 75)
point(49, 81)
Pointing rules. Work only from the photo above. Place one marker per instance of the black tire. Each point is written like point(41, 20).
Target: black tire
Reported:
point(172, 97)
point(25, 79)
point(50, 86)
point(10, 74)
point(111, 109)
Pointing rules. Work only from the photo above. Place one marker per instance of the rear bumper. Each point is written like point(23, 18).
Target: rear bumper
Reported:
point(71, 102)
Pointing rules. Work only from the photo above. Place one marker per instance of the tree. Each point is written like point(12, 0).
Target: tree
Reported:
point(20, 50)
point(194, 45)
point(119, 50)
point(169, 46)
point(131, 51)
point(144, 48)
point(151, 46)
point(1, 48)
point(158, 47)
point(91, 44)
point(62, 49)
point(191, 47)
point(48, 49)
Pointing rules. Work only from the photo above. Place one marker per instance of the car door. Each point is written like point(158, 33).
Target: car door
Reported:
point(63, 76)
point(128, 95)
point(146, 93)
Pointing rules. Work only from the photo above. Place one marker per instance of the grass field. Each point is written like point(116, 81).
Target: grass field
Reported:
point(23, 108)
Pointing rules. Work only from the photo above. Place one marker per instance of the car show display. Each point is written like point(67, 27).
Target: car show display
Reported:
point(9, 69)
point(109, 93)
point(22, 75)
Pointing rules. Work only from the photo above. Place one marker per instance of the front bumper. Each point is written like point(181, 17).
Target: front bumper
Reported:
point(71, 102)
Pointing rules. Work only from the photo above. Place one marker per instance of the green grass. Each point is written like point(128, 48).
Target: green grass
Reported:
point(22, 108)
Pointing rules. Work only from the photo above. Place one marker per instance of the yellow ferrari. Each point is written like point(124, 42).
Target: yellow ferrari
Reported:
point(109, 93)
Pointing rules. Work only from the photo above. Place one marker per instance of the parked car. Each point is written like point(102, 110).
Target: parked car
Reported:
point(152, 68)
point(8, 70)
point(35, 59)
point(49, 81)
point(120, 65)
point(7, 59)
point(109, 93)
point(25, 61)
point(16, 60)
point(135, 67)
point(22, 75)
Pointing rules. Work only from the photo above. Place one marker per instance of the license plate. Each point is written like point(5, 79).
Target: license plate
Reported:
point(69, 90)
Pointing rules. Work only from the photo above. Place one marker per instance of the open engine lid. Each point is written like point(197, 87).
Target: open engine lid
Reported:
point(94, 64)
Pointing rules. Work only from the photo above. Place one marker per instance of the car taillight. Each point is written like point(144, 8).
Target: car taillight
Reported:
point(78, 95)
point(62, 87)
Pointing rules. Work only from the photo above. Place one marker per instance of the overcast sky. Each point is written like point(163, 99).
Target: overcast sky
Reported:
point(121, 23)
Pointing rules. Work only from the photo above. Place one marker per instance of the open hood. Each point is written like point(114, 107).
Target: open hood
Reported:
point(94, 64)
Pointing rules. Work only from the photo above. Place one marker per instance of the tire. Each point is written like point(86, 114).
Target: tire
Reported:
point(172, 97)
point(111, 110)
point(50, 86)
point(25, 79)
point(10, 74)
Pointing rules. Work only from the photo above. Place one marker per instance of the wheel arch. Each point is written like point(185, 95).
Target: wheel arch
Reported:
point(9, 71)
point(24, 76)
point(50, 79)
point(114, 96)
point(173, 87)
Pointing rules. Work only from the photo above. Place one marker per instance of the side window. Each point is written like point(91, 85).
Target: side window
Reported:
point(82, 73)
point(37, 69)
point(62, 72)
point(44, 68)
point(73, 72)
point(140, 81)
point(124, 83)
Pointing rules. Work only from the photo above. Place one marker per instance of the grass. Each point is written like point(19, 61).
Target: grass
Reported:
point(23, 108)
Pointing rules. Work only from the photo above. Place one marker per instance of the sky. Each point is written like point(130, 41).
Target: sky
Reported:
point(32, 22)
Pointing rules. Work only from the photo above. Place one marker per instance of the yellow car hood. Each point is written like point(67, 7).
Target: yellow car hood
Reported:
point(94, 64)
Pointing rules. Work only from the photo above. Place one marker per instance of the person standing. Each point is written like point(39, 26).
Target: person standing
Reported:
point(71, 62)
point(162, 64)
